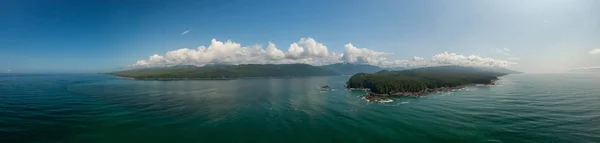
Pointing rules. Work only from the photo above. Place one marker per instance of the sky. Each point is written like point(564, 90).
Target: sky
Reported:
point(109, 35)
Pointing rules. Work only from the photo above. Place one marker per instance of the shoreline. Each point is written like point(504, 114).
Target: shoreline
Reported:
point(379, 97)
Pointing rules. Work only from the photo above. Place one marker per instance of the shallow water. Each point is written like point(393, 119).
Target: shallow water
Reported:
point(97, 108)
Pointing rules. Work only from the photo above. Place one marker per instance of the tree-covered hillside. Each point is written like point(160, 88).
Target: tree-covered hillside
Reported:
point(422, 79)
point(226, 72)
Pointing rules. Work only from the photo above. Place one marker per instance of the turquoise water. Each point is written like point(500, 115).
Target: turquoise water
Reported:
point(97, 108)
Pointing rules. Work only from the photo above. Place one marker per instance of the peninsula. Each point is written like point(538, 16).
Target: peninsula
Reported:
point(224, 72)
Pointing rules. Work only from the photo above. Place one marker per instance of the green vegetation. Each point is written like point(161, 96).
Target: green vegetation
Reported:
point(423, 79)
point(225, 72)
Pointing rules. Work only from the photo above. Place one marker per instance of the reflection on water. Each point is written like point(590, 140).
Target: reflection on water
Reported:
point(97, 108)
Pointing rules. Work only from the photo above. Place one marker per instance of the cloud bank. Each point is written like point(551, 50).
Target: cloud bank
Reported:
point(472, 60)
point(362, 55)
point(306, 50)
point(595, 51)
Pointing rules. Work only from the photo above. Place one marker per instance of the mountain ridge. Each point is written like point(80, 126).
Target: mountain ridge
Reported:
point(222, 71)
point(226, 72)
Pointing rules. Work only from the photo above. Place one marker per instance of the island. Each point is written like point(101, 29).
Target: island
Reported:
point(224, 72)
point(422, 81)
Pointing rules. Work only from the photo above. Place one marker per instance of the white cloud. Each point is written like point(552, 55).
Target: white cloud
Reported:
point(413, 63)
point(418, 59)
point(185, 32)
point(405, 63)
point(295, 51)
point(306, 50)
point(472, 60)
point(362, 55)
point(446, 58)
point(217, 52)
point(273, 53)
point(595, 51)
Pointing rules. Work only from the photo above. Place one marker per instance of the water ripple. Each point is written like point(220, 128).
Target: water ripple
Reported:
point(96, 108)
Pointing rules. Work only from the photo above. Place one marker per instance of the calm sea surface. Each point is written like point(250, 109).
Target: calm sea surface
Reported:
point(90, 108)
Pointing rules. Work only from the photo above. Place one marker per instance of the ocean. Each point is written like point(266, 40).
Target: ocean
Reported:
point(90, 108)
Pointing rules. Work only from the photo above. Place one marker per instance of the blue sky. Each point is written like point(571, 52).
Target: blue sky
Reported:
point(98, 36)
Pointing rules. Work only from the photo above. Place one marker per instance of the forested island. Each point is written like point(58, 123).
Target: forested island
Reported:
point(225, 72)
point(422, 81)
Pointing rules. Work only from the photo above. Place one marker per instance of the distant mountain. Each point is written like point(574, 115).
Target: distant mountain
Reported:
point(160, 68)
point(184, 66)
point(216, 65)
point(225, 72)
point(395, 69)
point(501, 70)
point(349, 69)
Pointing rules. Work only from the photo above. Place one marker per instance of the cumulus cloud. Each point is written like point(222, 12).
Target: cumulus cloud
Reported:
point(404, 63)
point(353, 54)
point(306, 50)
point(273, 53)
point(415, 62)
point(595, 51)
point(217, 52)
point(472, 60)
point(446, 58)
point(418, 59)
point(185, 32)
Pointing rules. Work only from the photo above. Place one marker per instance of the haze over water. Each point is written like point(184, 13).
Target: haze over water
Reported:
point(98, 108)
